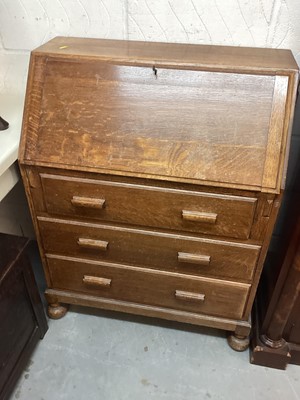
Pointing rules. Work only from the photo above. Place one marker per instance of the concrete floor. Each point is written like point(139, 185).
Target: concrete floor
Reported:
point(97, 355)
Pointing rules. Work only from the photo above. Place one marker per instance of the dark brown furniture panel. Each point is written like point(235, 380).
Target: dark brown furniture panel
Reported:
point(276, 334)
point(22, 317)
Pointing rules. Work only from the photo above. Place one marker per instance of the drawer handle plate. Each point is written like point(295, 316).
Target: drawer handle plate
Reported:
point(189, 296)
point(194, 258)
point(88, 202)
point(196, 216)
point(92, 244)
point(96, 281)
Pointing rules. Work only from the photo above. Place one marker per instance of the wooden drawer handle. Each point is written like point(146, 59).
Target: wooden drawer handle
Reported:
point(189, 296)
point(92, 244)
point(87, 202)
point(196, 216)
point(194, 258)
point(96, 281)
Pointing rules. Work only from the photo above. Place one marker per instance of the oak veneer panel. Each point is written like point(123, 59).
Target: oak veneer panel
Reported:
point(146, 286)
point(148, 205)
point(119, 117)
point(148, 248)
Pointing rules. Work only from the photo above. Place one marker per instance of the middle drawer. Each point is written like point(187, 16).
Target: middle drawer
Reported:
point(164, 251)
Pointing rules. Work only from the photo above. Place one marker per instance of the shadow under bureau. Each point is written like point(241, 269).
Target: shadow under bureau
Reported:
point(154, 174)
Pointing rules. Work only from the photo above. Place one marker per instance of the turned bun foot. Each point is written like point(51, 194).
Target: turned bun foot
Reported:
point(238, 343)
point(57, 310)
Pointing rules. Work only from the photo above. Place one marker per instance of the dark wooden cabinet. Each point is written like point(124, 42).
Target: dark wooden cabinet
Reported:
point(22, 318)
point(276, 315)
point(154, 173)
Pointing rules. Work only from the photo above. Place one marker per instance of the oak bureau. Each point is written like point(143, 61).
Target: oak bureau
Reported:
point(154, 174)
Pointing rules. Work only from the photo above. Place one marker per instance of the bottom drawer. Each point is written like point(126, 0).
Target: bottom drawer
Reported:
point(158, 288)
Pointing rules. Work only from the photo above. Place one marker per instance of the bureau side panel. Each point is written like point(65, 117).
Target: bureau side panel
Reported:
point(32, 184)
point(270, 227)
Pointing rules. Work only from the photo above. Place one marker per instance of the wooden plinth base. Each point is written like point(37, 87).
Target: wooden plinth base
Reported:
point(264, 351)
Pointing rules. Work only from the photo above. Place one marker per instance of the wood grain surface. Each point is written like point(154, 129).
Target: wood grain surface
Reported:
point(149, 205)
point(146, 286)
point(148, 248)
point(138, 52)
point(119, 118)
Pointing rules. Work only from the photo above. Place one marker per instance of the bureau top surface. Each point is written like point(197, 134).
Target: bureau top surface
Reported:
point(202, 114)
point(137, 52)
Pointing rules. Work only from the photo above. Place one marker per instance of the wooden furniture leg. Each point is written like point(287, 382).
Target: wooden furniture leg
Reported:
point(238, 342)
point(57, 310)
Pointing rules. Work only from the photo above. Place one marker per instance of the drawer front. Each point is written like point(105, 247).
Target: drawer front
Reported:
point(151, 249)
point(171, 290)
point(208, 213)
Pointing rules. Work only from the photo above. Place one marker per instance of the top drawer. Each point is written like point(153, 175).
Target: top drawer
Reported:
point(192, 211)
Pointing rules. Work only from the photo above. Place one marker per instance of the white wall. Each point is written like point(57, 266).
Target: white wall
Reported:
point(25, 24)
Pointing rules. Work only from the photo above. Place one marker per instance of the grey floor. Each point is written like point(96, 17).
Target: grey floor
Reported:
point(97, 355)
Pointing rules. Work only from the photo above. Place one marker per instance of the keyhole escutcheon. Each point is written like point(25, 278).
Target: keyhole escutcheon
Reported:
point(155, 71)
